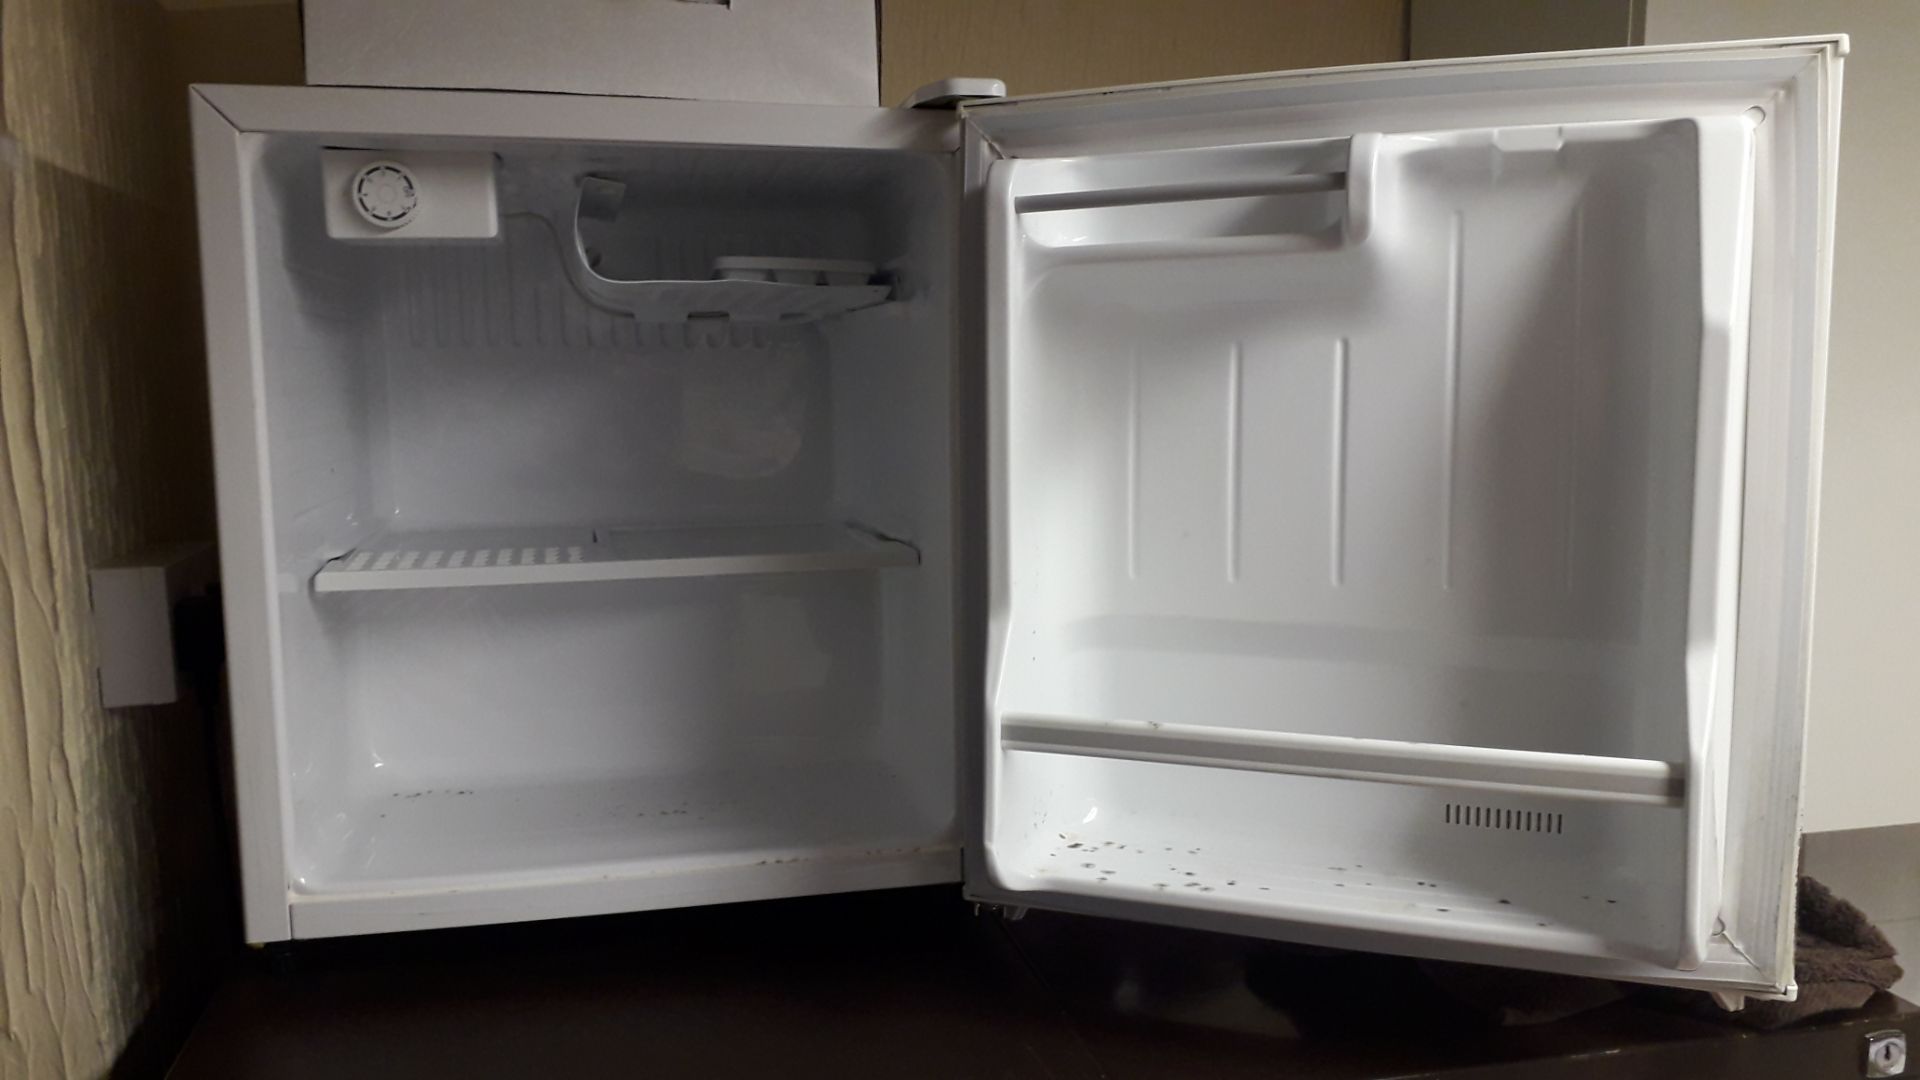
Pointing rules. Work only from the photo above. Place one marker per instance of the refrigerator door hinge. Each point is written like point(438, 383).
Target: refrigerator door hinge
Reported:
point(950, 93)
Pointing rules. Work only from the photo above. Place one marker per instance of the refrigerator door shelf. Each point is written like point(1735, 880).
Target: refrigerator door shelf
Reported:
point(1276, 198)
point(1483, 768)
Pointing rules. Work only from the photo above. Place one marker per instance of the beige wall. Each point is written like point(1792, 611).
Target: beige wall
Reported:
point(113, 889)
point(1863, 754)
point(1043, 45)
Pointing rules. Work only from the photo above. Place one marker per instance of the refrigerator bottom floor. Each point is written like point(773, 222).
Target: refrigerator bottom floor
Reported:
point(419, 856)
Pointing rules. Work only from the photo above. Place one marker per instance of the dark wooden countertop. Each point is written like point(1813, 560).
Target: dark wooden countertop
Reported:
point(913, 983)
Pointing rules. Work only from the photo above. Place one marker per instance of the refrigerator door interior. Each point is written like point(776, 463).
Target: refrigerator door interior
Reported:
point(1400, 487)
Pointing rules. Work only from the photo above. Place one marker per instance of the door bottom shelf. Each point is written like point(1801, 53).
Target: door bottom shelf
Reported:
point(1530, 772)
point(487, 557)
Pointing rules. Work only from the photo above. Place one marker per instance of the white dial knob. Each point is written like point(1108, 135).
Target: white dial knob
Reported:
point(385, 194)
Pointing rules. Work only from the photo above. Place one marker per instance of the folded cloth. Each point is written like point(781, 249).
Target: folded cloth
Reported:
point(1840, 959)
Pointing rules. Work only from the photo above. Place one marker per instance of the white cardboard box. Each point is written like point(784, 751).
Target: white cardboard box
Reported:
point(821, 52)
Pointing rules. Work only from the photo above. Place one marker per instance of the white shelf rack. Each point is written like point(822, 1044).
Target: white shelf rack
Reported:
point(467, 558)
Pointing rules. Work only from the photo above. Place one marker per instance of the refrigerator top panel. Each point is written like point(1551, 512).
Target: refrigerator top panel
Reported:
point(1401, 486)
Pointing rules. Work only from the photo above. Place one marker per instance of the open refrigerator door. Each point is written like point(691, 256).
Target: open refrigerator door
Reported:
point(1400, 485)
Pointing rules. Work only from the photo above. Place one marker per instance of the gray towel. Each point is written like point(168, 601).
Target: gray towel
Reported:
point(1840, 959)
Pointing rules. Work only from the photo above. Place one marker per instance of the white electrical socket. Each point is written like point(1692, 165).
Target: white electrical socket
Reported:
point(133, 601)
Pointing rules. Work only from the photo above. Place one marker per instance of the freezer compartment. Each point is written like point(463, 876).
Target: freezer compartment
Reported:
point(619, 262)
point(1380, 471)
point(470, 397)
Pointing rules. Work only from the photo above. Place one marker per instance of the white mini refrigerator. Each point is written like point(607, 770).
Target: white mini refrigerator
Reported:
point(1368, 507)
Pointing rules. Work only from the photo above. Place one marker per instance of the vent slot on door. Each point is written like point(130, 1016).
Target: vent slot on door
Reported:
point(1499, 817)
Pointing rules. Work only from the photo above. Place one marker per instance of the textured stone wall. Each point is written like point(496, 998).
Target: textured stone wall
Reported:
point(114, 888)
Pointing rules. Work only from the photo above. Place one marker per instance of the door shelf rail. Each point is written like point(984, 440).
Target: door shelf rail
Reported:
point(1521, 772)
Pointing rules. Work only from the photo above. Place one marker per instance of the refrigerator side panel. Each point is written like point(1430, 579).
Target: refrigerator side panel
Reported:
point(235, 381)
